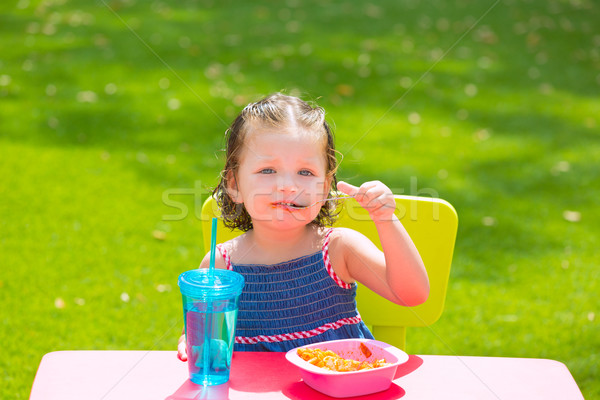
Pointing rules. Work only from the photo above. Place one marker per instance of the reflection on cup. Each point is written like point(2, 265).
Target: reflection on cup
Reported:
point(210, 310)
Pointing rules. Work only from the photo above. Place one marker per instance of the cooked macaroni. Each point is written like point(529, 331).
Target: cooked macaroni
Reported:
point(329, 360)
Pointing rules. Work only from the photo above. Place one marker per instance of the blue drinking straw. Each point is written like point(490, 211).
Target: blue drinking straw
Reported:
point(211, 278)
point(213, 247)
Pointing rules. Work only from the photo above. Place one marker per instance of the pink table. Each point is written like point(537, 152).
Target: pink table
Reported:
point(111, 375)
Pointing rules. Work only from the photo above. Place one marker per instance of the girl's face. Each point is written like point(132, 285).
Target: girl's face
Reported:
point(281, 167)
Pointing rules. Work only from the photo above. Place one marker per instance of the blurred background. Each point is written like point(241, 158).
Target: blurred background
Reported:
point(112, 116)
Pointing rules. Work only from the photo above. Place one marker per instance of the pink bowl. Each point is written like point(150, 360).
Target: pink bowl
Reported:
point(356, 383)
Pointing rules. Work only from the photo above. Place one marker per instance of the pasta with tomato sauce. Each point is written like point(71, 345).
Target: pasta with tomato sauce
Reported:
point(329, 360)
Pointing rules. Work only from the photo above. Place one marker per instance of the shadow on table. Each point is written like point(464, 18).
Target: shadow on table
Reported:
point(270, 378)
point(301, 391)
point(190, 391)
point(411, 365)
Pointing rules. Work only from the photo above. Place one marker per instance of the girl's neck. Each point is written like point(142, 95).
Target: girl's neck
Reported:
point(265, 237)
point(278, 245)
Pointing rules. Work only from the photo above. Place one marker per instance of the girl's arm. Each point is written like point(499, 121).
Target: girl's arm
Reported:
point(398, 273)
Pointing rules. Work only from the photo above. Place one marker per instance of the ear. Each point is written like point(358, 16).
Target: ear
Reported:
point(232, 187)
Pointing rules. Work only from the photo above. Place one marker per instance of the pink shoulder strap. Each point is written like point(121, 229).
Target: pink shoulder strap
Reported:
point(225, 255)
point(327, 261)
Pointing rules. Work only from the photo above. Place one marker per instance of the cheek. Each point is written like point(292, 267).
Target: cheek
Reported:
point(307, 215)
point(314, 190)
point(326, 187)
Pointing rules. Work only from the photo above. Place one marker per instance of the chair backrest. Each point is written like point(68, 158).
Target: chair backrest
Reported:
point(432, 225)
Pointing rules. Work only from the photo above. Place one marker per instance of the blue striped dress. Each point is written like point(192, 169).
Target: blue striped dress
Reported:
point(294, 303)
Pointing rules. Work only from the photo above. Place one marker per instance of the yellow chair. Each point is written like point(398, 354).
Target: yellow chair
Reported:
point(432, 225)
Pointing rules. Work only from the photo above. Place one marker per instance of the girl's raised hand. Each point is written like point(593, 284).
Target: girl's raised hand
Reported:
point(373, 196)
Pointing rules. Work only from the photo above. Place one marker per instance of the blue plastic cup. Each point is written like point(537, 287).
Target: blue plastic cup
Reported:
point(210, 309)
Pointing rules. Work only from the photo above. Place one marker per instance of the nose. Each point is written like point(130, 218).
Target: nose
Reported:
point(286, 183)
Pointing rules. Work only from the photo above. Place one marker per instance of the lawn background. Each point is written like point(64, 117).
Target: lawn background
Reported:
point(112, 114)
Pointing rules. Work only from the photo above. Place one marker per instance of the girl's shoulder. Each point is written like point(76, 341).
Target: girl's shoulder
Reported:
point(341, 237)
point(234, 242)
point(222, 252)
point(339, 243)
point(349, 248)
point(346, 241)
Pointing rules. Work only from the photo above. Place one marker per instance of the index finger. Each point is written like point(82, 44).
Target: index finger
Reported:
point(347, 188)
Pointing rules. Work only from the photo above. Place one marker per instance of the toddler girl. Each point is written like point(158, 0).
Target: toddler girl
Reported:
point(301, 275)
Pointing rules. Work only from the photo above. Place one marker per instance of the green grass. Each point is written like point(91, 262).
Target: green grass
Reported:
point(109, 110)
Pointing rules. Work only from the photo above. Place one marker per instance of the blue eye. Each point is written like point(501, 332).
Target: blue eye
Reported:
point(267, 171)
point(305, 172)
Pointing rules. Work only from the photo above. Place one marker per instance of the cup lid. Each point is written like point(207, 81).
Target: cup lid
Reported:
point(224, 284)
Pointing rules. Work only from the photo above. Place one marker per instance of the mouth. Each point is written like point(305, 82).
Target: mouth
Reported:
point(287, 205)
